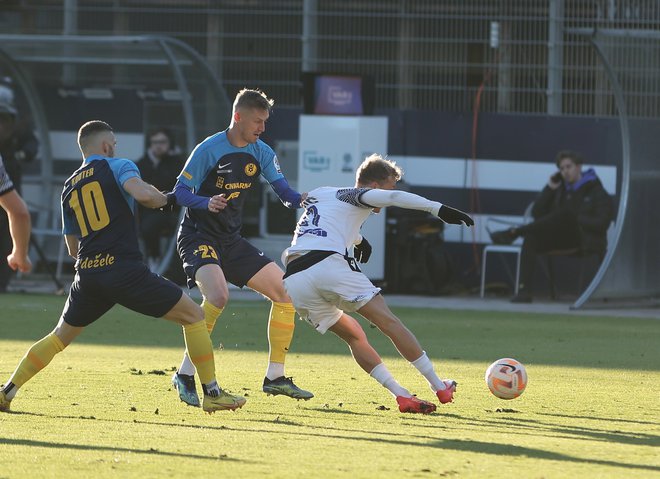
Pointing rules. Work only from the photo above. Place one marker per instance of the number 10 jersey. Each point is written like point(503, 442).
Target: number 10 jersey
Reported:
point(97, 209)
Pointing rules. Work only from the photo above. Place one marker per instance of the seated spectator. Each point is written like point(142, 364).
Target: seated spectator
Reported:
point(160, 165)
point(572, 214)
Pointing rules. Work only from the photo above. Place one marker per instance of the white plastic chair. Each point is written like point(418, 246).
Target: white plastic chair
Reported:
point(504, 249)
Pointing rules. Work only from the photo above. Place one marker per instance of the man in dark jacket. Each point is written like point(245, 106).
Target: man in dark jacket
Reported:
point(159, 166)
point(572, 215)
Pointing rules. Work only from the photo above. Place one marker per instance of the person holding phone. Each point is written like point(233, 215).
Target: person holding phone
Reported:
point(572, 213)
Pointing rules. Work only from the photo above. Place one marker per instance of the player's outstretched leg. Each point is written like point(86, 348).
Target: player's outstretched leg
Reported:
point(37, 357)
point(200, 351)
point(406, 343)
point(350, 331)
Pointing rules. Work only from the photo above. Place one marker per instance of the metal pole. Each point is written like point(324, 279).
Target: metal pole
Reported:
point(309, 36)
point(70, 27)
point(555, 56)
point(625, 175)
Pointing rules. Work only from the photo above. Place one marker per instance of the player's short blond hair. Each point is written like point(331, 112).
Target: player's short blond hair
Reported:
point(253, 98)
point(376, 168)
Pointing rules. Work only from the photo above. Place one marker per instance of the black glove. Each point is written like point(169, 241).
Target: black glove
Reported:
point(454, 216)
point(171, 202)
point(362, 251)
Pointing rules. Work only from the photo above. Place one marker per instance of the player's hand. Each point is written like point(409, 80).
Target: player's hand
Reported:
point(362, 251)
point(20, 263)
point(555, 180)
point(171, 202)
point(217, 203)
point(307, 201)
point(454, 216)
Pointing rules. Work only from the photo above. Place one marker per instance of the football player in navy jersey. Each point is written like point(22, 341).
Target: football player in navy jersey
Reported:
point(98, 203)
point(213, 185)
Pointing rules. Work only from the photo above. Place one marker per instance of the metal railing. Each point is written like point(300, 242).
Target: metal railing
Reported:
point(423, 54)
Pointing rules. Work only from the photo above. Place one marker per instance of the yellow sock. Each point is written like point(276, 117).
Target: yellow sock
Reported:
point(280, 330)
point(211, 315)
point(37, 358)
point(200, 350)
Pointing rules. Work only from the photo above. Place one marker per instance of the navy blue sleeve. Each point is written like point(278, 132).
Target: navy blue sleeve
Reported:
point(290, 197)
point(185, 197)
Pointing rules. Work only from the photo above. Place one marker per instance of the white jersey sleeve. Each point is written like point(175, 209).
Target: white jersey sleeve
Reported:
point(402, 199)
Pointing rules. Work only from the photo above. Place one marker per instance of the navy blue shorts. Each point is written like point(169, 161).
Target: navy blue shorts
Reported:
point(129, 283)
point(239, 261)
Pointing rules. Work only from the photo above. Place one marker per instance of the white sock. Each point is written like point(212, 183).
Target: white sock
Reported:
point(381, 374)
point(10, 390)
point(275, 370)
point(424, 366)
point(187, 367)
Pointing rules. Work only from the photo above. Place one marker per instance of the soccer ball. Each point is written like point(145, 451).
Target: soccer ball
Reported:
point(506, 378)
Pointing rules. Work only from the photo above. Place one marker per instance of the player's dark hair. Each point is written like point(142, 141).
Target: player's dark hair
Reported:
point(249, 98)
point(89, 129)
point(376, 168)
point(574, 156)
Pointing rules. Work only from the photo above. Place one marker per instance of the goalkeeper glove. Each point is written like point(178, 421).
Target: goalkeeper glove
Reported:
point(454, 216)
point(362, 251)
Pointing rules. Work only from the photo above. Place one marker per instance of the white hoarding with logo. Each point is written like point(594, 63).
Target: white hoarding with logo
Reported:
point(330, 150)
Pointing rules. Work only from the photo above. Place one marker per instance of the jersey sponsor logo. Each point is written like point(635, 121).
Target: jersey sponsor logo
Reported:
point(186, 175)
point(250, 169)
point(312, 231)
point(220, 182)
point(237, 186)
point(276, 162)
point(98, 261)
point(233, 195)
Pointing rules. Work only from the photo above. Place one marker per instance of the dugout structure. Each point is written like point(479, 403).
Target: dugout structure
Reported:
point(133, 82)
point(630, 271)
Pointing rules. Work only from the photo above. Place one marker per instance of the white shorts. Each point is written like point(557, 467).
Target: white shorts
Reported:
point(324, 291)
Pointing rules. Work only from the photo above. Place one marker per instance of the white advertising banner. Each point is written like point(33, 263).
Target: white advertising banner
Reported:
point(330, 150)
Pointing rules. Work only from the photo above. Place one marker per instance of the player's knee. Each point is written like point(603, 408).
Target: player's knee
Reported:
point(217, 298)
point(279, 295)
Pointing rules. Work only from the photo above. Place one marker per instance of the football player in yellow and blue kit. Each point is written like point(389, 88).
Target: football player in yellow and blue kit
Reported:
point(213, 186)
point(98, 204)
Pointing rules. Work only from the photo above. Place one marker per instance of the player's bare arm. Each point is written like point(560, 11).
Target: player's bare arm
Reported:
point(19, 228)
point(144, 193)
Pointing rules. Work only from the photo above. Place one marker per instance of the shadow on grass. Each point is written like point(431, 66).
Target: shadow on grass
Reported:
point(501, 450)
point(480, 447)
point(595, 418)
point(459, 335)
point(89, 447)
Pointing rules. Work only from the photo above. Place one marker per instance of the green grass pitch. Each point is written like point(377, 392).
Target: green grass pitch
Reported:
point(104, 408)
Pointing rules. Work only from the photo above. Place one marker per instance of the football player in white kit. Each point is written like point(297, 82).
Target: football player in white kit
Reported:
point(324, 281)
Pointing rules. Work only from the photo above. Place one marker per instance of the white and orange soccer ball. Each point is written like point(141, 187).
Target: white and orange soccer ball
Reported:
point(506, 378)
